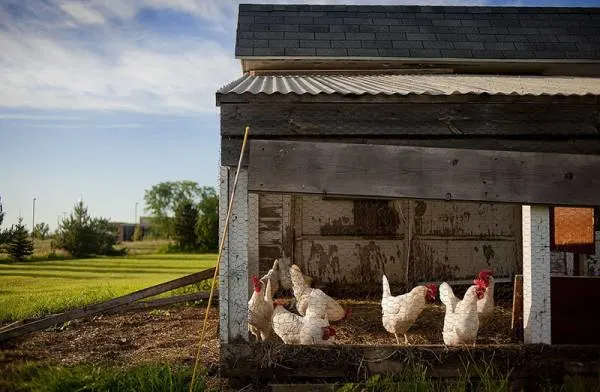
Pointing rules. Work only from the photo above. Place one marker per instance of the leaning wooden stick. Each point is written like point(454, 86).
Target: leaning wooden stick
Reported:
point(221, 245)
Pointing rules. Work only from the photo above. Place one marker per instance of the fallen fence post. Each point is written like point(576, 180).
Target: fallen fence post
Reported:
point(157, 303)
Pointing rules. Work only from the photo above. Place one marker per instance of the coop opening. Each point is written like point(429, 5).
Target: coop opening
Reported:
point(357, 271)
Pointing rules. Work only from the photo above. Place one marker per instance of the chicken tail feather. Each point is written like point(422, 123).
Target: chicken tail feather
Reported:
point(447, 295)
point(386, 287)
point(298, 281)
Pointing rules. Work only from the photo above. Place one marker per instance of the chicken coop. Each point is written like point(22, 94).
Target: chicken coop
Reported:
point(423, 143)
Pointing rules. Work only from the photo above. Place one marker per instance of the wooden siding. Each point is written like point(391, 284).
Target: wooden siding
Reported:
point(363, 119)
point(449, 240)
point(355, 170)
point(274, 236)
point(230, 146)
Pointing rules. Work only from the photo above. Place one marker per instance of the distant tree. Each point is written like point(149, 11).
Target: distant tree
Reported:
point(186, 219)
point(41, 231)
point(19, 244)
point(5, 234)
point(138, 233)
point(207, 227)
point(83, 236)
point(1, 212)
point(162, 199)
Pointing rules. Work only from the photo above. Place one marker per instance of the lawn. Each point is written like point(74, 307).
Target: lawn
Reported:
point(37, 288)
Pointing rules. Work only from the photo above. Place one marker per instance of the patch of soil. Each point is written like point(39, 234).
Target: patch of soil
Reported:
point(364, 326)
point(166, 336)
point(172, 335)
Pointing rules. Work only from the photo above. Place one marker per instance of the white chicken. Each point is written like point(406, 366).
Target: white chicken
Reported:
point(260, 310)
point(400, 312)
point(485, 305)
point(461, 322)
point(279, 274)
point(321, 305)
point(295, 329)
point(273, 275)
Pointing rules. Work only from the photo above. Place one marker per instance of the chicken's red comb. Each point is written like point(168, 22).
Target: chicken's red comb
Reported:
point(480, 282)
point(255, 279)
point(433, 287)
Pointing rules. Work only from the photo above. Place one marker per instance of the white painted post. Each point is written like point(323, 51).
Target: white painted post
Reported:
point(233, 273)
point(253, 255)
point(536, 274)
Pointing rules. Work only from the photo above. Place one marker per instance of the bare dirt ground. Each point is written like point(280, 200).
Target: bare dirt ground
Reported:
point(172, 336)
point(166, 336)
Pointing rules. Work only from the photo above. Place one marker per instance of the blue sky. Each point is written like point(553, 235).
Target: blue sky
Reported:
point(101, 99)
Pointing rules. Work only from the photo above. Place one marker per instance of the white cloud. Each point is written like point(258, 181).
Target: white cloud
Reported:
point(82, 13)
point(117, 64)
point(35, 117)
point(40, 68)
point(82, 126)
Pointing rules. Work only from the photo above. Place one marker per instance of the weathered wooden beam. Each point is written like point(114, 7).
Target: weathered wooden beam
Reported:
point(424, 173)
point(230, 146)
point(160, 302)
point(106, 305)
point(349, 362)
point(410, 119)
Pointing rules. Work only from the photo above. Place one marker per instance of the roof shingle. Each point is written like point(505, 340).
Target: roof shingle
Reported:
point(428, 31)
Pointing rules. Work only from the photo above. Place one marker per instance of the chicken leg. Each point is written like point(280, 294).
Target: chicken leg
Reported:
point(397, 339)
point(406, 340)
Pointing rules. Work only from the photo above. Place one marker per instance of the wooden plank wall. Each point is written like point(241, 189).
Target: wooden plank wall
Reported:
point(275, 228)
point(449, 240)
point(542, 118)
point(519, 123)
point(422, 172)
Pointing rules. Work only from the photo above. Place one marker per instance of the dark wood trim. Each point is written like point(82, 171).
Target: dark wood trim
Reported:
point(231, 146)
point(346, 169)
point(411, 119)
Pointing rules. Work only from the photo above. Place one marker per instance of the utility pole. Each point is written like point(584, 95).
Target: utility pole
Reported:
point(136, 213)
point(33, 217)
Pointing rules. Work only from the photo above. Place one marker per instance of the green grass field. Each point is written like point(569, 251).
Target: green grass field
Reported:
point(37, 288)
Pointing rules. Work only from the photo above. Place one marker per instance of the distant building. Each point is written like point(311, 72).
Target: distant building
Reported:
point(125, 230)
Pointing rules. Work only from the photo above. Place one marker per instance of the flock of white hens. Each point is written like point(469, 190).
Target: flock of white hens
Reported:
point(316, 309)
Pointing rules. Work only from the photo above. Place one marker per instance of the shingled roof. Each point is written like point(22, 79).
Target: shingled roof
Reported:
point(349, 31)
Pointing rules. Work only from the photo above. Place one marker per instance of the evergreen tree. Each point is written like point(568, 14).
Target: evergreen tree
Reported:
point(186, 219)
point(83, 236)
point(19, 245)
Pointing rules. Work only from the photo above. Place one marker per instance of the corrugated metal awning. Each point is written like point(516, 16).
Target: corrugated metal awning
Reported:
point(412, 85)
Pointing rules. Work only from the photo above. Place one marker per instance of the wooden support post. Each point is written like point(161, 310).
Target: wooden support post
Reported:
point(536, 274)
point(517, 311)
point(233, 273)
